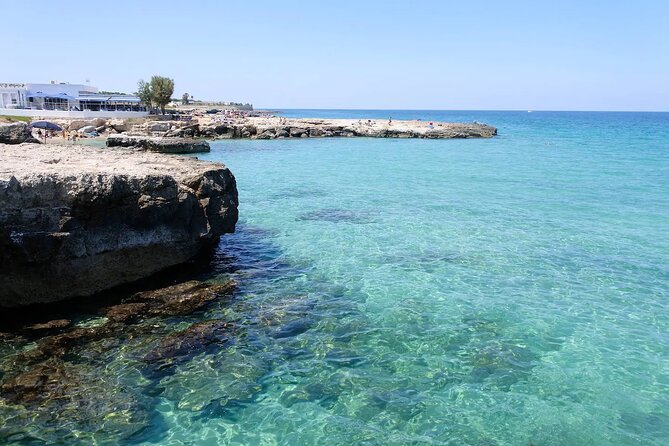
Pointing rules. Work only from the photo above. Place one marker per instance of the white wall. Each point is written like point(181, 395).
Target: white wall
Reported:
point(87, 114)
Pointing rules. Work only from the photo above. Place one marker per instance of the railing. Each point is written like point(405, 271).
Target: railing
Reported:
point(61, 106)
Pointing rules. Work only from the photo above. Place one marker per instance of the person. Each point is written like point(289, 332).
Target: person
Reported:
point(390, 120)
point(430, 125)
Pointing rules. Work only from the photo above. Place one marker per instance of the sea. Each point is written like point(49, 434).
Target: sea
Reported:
point(503, 291)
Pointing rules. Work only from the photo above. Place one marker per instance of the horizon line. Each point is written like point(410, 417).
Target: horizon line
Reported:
point(462, 110)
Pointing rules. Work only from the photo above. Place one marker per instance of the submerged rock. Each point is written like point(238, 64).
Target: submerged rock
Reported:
point(195, 339)
point(70, 404)
point(120, 320)
point(100, 218)
point(126, 312)
point(53, 325)
point(184, 298)
point(180, 299)
point(42, 382)
point(335, 215)
point(61, 344)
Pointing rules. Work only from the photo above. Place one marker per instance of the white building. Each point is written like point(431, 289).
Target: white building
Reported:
point(63, 100)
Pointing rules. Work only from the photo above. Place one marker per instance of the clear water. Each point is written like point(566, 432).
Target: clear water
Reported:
point(507, 291)
point(503, 291)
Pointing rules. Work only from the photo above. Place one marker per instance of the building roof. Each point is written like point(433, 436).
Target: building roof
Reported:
point(39, 94)
point(107, 98)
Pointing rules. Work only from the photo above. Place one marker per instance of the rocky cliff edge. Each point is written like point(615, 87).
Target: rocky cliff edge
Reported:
point(76, 220)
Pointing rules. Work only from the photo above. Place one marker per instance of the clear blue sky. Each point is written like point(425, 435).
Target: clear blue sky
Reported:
point(558, 55)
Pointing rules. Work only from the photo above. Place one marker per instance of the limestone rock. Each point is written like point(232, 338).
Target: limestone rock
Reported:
point(103, 217)
point(119, 125)
point(87, 129)
point(162, 145)
point(77, 124)
point(296, 132)
point(15, 133)
point(158, 126)
point(98, 122)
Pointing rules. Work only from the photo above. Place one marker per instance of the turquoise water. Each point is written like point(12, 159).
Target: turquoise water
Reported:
point(488, 292)
point(508, 291)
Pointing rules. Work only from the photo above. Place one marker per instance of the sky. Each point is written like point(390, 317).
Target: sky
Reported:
point(444, 55)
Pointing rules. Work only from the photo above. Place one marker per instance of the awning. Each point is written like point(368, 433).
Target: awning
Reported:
point(133, 99)
point(39, 94)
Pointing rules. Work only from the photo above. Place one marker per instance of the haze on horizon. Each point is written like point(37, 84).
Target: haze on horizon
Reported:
point(521, 55)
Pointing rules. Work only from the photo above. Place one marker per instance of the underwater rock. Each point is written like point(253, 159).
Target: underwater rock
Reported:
point(335, 215)
point(66, 402)
point(183, 298)
point(45, 381)
point(126, 312)
point(56, 324)
point(195, 339)
point(294, 328)
point(176, 300)
point(180, 299)
point(61, 344)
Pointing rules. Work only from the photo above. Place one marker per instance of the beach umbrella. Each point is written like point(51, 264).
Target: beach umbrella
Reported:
point(46, 125)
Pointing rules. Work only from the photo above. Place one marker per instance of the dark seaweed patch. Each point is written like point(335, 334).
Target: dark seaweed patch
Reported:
point(336, 215)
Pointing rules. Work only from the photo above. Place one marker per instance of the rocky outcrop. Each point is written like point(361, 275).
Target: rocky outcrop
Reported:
point(176, 134)
point(75, 221)
point(15, 133)
point(158, 126)
point(273, 128)
point(118, 125)
point(161, 145)
point(87, 129)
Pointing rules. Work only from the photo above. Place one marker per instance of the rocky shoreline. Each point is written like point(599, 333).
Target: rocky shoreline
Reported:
point(78, 220)
point(161, 133)
point(277, 128)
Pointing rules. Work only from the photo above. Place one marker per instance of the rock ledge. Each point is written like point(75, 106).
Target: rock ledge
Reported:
point(162, 145)
point(75, 221)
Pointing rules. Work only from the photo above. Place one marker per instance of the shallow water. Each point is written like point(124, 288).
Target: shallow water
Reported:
point(507, 291)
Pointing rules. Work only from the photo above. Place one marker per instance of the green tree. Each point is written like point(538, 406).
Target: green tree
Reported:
point(184, 99)
point(162, 89)
point(145, 94)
